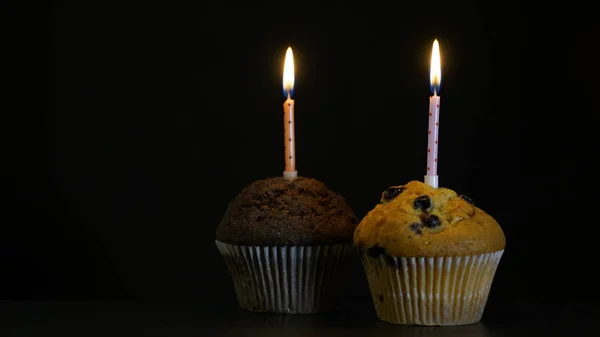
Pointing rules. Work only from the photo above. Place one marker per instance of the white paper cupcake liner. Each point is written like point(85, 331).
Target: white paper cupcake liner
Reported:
point(430, 290)
point(291, 280)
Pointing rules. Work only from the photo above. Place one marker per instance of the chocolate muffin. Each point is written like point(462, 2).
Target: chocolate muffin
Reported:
point(429, 254)
point(281, 212)
point(287, 245)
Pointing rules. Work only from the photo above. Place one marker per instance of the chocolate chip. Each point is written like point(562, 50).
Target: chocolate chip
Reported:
point(392, 192)
point(375, 251)
point(432, 221)
point(422, 202)
point(416, 227)
point(467, 199)
point(380, 298)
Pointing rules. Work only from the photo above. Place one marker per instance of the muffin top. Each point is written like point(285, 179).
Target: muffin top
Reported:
point(281, 212)
point(422, 221)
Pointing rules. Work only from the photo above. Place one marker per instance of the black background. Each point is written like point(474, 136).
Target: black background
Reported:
point(130, 125)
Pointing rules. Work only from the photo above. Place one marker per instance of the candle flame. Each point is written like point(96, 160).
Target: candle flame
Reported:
point(288, 73)
point(435, 74)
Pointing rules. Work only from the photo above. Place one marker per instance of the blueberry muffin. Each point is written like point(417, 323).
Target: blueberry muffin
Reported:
point(430, 255)
point(287, 245)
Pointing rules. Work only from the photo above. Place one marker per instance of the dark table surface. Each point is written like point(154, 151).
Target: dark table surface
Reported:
point(143, 318)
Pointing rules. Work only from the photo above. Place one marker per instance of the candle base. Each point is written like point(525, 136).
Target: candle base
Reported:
point(431, 181)
point(290, 175)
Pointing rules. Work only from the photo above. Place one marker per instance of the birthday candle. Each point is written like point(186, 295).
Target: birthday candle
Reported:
point(288, 116)
point(435, 77)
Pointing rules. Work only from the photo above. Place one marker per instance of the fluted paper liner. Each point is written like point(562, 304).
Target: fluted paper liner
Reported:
point(430, 290)
point(291, 280)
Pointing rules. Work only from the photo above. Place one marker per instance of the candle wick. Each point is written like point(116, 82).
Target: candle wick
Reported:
point(289, 95)
point(434, 91)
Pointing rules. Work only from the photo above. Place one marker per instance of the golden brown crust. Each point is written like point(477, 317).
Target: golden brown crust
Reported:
point(403, 229)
